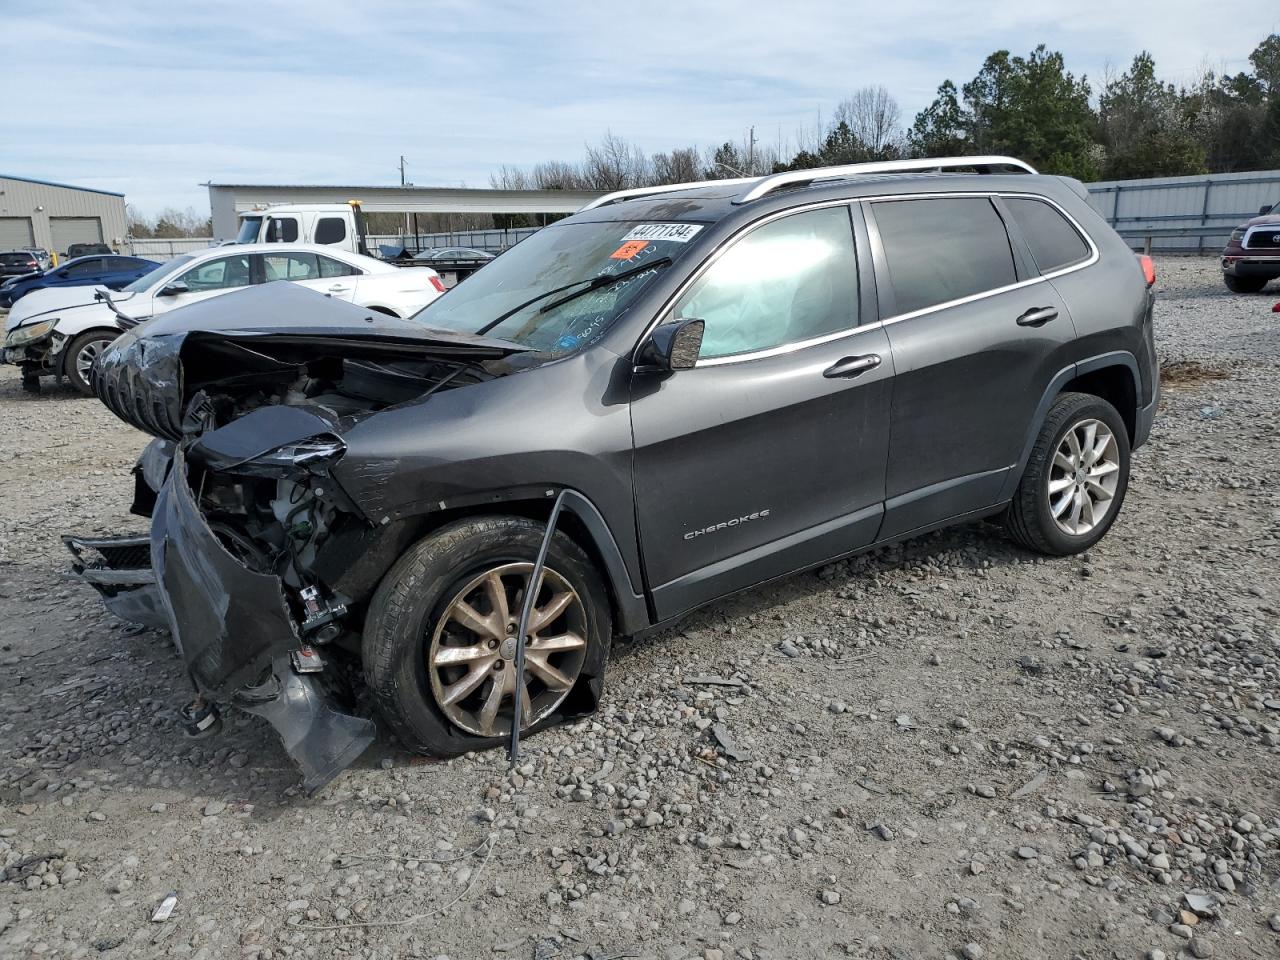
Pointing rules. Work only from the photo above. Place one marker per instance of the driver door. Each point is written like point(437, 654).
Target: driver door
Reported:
point(205, 280)
point(769, 455)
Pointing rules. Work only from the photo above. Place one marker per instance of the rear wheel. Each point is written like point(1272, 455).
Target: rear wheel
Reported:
point(1244, 284)
point(439, 640)
point(1075, 479)
point(82, 351)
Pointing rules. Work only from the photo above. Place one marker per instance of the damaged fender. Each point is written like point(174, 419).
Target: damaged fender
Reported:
point(235, 633)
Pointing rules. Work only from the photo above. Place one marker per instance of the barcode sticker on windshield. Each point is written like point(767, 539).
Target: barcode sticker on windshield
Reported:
point(671, 232)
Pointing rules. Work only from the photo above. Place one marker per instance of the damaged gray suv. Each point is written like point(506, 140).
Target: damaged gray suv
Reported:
point(715, 384)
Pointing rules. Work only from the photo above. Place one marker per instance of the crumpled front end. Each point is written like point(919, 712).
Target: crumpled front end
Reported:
point(241, 643)
point(259, 562)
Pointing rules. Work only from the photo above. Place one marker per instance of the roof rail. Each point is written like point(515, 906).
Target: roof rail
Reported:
point(766, 185)
point(619, 195)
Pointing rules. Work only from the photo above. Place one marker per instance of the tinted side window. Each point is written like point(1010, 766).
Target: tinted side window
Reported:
point(282, 230)
point(331, 230)
point(1054, 242)
point(790, 280)
point(219, 274)
point(291, 266)
point(330, 267)
point(943, 249)
point(85, 268)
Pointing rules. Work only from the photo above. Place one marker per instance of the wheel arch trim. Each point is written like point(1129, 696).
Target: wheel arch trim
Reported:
point(1116, 358)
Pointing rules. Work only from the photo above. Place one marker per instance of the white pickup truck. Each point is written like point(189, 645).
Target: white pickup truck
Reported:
point(339, 225)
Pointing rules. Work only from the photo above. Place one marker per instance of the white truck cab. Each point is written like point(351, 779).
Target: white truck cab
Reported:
point(338, 225)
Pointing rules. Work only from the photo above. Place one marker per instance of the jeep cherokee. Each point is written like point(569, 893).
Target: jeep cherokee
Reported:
point(719, 383)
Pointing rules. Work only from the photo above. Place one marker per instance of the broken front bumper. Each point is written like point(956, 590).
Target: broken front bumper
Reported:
point(119, 568)
point(232, 627)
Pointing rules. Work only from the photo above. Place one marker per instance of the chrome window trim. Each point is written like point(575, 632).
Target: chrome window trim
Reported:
point(693, 278)
point(1088, 261)
point(668, 305)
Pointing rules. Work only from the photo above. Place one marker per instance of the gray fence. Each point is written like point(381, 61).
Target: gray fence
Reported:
point(166, 249)
point(1184, 214)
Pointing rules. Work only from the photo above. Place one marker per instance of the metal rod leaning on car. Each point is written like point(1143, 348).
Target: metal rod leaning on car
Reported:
point(526, 610)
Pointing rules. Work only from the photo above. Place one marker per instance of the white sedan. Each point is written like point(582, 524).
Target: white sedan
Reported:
point(59, 331)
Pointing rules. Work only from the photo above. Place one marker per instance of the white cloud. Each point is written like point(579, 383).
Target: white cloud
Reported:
point(154, 98)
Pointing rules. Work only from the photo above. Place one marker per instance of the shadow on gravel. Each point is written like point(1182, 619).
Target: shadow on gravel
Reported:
point(110, 702)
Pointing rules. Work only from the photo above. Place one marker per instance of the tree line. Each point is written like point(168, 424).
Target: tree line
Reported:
point(1132, 124)
point(169, 224)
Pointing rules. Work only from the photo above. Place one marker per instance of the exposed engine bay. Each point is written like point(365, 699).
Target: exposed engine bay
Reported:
point(258, 560)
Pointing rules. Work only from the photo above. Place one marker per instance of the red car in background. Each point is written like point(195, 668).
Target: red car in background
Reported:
point(1252, 255)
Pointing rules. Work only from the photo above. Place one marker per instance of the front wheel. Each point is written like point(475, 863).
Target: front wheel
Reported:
point(439, 639)
point(81, 353)
point(1075, 479)
point(1244, 284)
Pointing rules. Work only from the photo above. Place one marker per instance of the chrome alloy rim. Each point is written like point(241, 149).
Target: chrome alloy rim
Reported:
point(470, 660)
point(88, 353)
point(1084, 477)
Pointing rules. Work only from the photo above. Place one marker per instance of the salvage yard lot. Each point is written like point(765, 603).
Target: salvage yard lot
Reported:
point(947, 747)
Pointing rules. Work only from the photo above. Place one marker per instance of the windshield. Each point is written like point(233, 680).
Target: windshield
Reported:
point(249, 230)
point(149, 280)
point(568, 257)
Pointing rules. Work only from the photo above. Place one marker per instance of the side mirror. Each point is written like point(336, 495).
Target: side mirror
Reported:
point(173, 289)
point(1265, 209)
point(673, 345)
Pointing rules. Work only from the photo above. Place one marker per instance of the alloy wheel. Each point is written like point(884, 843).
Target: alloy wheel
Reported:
point(88, 353)
point(471, 656)
point(1084, 477)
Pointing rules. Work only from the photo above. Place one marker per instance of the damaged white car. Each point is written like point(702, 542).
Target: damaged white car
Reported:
point(60, 332)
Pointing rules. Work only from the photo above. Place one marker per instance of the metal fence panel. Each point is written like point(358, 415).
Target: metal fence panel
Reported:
point(1220, 201)
point(154, 249)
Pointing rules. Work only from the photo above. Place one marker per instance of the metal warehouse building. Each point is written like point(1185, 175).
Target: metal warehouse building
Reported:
point(37, 213)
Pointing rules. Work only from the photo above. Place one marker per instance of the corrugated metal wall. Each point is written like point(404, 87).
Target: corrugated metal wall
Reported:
point(1220, 201)
point(41, 201)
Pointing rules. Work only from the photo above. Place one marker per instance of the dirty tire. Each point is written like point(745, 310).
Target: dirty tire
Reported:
point(414, 593)
point(1244, 284)
point(91, 340)
point(1029, 520)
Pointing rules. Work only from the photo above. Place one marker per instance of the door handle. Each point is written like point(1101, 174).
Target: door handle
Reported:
point(852, 366)
point(1038, 316)
point(338, 288)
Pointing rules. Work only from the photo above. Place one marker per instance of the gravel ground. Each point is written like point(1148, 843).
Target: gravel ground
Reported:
point(948, 748)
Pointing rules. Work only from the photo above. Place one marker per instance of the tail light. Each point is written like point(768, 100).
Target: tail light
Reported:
point(1148, 269)
point(436, 282)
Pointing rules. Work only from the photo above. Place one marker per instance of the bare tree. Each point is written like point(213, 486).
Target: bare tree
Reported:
point(509, 178)
point(615, 164)
point(558, 175)
point(679, 166)
point(874, 118)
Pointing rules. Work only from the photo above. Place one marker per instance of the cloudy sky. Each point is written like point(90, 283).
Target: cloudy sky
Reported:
point(152, 99)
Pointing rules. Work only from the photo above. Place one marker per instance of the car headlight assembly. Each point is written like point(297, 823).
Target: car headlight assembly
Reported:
point(1237, 235)
point(30, 333)
point(312, 455)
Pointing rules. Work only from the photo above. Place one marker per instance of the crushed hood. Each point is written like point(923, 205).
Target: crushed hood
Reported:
point(40, 304)
point(262, 336)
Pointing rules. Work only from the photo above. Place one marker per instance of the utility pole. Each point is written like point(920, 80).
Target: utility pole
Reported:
point(751, 153)
point(402, 183)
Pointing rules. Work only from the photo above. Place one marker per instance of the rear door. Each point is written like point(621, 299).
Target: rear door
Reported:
point(769, 455)
point(315, 272)
point(976, 335)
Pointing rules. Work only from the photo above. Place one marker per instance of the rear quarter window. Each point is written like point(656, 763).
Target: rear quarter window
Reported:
point(943, 249)
point(1054, 242)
